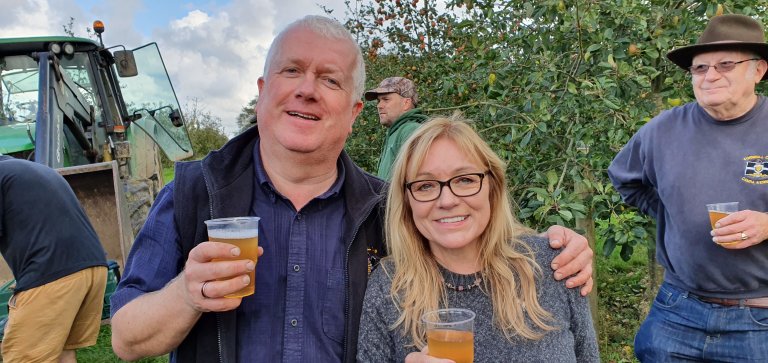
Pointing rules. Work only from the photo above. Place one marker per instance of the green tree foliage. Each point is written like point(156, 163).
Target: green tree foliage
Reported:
point(205, 130)
point(557, 87)
point(247, 116)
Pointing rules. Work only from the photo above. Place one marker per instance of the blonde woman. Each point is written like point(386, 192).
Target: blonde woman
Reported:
point(454, 242)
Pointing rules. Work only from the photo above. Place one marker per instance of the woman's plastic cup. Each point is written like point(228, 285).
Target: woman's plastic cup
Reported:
point(242, 232)
point(450, 334)
point(718, 211)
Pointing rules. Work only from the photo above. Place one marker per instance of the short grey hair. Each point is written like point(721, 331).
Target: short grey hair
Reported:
point(327, 28)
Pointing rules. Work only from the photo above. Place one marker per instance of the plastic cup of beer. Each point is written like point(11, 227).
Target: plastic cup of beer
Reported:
point(450, 334)
point(718, 211)
point(242, 232)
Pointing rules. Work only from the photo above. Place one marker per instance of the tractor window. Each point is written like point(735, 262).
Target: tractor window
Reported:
point(18, 89)
point(151, 96)
point(18, 105)
point(19, 83)
point(19, 80)
point(79, 70)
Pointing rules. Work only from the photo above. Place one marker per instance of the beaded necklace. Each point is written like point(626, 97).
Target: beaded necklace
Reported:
point(466, 287)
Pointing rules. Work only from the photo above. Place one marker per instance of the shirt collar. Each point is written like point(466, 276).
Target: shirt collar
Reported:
point(262, 179)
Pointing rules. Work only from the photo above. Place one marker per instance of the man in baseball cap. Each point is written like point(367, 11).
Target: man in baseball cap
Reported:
point(713, 304)
point(397, 100)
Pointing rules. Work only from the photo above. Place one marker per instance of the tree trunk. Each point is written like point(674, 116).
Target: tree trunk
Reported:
point(587, 225)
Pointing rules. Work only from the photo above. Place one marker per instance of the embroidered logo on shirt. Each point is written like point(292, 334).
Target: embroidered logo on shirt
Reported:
point(756, 170)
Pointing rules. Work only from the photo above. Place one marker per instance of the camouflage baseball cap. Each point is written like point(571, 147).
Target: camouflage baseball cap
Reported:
point(402, 86)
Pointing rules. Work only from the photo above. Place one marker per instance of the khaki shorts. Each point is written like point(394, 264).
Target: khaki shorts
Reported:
point(62, 314)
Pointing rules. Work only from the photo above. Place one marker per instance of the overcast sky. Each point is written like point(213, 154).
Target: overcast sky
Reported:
point(214, 50)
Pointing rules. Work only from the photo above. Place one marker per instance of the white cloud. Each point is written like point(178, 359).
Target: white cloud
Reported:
point(22, 18)
point(217, 56)
point(214, 52)
point(193, 19)
point(119, 17)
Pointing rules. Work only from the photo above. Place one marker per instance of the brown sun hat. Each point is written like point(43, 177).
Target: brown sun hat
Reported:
point(735, 32)
point(400, 85)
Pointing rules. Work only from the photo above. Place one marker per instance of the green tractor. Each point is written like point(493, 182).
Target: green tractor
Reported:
point(100, 116)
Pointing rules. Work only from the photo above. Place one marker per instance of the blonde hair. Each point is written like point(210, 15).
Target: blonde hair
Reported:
point(507, 264)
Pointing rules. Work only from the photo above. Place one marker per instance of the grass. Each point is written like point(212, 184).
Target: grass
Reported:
point(625, 294)
point(102, 351)
point(168, 174)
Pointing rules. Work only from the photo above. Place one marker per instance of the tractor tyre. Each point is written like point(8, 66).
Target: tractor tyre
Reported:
point(139, 196)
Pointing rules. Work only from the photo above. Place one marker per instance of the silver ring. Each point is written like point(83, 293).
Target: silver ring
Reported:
point(744, 236)
point(202, 290)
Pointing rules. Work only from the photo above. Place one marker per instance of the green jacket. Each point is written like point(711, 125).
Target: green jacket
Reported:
point(400, 130)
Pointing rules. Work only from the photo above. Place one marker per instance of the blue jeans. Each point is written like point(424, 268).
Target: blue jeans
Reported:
point(681, 328)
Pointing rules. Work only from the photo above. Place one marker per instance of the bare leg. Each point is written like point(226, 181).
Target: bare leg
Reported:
point(68, 356)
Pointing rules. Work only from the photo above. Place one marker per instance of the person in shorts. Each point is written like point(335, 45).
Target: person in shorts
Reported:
point(57, 261)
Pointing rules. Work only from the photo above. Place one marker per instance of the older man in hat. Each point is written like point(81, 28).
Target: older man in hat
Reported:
point(713, 304)
point(397, 99)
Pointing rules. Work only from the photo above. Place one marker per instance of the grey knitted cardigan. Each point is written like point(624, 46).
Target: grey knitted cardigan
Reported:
point(573, 341)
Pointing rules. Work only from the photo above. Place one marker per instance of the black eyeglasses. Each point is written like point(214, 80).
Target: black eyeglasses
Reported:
point(720, 67)
point(464, 185)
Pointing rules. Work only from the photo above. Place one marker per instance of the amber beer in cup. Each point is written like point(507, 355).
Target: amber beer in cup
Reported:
point(718, 211)
point(242, 232)
point(450, 334)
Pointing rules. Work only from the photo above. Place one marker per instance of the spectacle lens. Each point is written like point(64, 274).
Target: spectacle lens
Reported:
point(720, 67)
point(464, 185)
